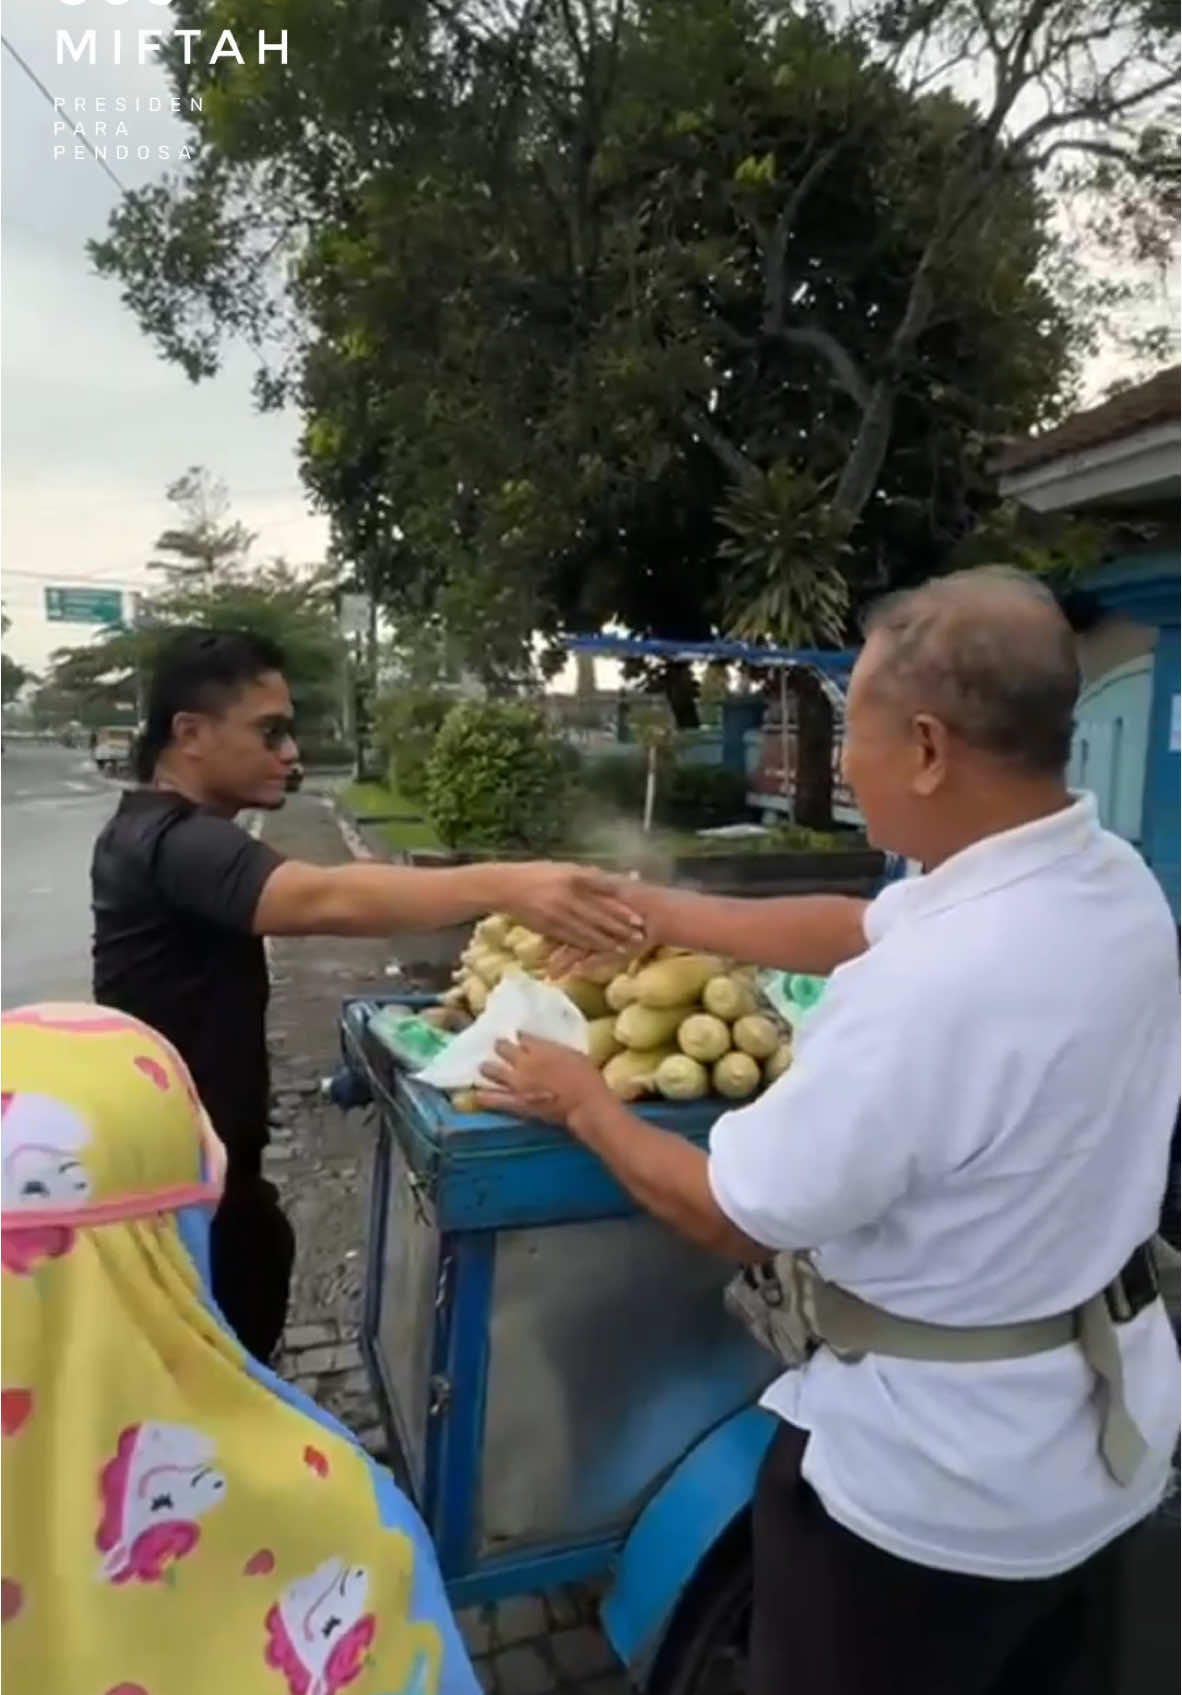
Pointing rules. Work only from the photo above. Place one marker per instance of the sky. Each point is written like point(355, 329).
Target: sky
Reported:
point(95, 424)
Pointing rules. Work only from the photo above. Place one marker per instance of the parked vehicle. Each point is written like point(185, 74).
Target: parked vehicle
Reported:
point(112, 750)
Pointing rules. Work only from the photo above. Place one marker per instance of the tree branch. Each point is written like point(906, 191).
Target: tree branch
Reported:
point(1095, 111)
point(774, 278)
point(700, 424)
point(842, 365)
point(1102, 149)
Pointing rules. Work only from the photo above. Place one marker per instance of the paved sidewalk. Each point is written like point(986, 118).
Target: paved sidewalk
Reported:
point(320, 1160)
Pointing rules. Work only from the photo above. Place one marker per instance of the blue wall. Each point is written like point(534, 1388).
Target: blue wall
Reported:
point(1159, 825)
point(1144, 587)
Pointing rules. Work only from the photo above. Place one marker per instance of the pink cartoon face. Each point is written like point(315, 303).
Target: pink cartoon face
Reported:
point(156, 1488)
point(42, 1139)
point(319, 1632)
point(40, 1168)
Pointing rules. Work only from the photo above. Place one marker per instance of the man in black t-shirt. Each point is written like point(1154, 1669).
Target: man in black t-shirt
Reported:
point(183, 897)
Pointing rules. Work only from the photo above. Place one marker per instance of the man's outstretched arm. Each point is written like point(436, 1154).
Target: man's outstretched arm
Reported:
point(812, 934)
point(569, 903)
point(808, 933)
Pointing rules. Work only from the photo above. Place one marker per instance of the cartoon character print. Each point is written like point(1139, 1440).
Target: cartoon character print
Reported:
point(154, 1490)
point(319, 1632)
point(40, 1168)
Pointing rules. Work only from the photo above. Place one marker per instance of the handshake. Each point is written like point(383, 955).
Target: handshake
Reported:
point(594, 919)
point(590, 914)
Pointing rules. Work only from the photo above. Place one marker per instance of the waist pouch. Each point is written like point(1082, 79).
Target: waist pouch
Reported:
point(790, 1309)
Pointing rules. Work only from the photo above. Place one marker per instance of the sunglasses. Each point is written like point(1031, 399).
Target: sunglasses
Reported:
point(274, 732)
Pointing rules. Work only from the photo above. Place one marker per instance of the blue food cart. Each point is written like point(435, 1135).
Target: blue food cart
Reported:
point(564, 1395)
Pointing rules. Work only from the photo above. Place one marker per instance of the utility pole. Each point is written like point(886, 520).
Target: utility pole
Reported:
point(358, 620)
point(141, 706)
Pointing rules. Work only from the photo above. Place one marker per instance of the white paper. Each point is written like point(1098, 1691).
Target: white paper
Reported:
point(1176, 724)
point(518, 1006)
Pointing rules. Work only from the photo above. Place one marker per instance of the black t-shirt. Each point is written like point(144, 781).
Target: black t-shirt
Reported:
point(174, 890)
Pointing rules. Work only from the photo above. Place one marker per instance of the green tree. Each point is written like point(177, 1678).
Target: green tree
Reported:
point(291, 608)
point(13, 675)
point(203, 546)
point(210, 584)
point(692, 314)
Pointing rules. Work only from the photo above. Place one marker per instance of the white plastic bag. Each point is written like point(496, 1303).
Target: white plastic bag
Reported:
point(518, 1006)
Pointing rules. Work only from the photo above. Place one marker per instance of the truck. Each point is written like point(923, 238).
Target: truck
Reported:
point(112, 749)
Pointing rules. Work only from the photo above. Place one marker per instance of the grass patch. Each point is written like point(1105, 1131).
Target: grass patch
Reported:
point(410, 830)
point(406, 830)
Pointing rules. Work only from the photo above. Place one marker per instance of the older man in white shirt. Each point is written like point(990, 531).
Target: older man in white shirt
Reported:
point(975, 1133)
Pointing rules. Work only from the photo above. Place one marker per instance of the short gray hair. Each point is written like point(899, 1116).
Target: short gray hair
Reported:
point(990, 654)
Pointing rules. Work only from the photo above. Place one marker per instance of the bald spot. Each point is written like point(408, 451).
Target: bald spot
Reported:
point(988, 653)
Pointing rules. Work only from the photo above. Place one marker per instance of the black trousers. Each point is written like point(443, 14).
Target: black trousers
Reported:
point(834, 1615)
point(252, 1251)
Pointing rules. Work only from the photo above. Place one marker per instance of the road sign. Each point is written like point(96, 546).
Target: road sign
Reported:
point(354, 614)
point(84, 606)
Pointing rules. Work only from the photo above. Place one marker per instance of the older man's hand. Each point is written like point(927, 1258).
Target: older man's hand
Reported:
point(531, 1078)
point(647, 903)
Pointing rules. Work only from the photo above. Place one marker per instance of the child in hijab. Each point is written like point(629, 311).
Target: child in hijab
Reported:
point(176, 1520)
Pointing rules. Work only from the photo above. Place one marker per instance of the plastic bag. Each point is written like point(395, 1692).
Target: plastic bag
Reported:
point(409, 1038)
point(518, 1006)
point(792, 996)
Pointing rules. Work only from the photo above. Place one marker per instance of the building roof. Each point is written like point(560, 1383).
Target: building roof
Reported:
point(1154, 402)
point(836, 662)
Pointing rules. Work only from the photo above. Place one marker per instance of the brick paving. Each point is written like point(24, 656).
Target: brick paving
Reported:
point(320, 1160)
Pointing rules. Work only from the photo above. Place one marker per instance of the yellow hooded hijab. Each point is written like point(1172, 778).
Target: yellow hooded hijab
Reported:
point(176, 1521)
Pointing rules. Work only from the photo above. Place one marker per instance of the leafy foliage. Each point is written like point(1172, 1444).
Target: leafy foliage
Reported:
point(13, 675)
point(691, 314)
point(202, 545)
point(497, 779)
point(408, 721)
point(563, 288)
point(210, 584)
point(688, 797)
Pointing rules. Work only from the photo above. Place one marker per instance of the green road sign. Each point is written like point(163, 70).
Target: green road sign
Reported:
point(84, 606)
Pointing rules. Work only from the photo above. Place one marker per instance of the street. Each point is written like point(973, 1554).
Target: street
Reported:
point(53, 805)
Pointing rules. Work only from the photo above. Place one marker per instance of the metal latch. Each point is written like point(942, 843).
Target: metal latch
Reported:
point(439, 1396)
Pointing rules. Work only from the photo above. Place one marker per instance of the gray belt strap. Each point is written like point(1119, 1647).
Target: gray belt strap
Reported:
point(1122, 1446)
point(853, 1326)
point(791, 1309)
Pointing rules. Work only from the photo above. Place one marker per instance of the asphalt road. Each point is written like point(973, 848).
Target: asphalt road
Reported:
point(52, 805)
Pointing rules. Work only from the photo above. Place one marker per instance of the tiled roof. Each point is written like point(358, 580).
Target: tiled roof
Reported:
point(1152, 402)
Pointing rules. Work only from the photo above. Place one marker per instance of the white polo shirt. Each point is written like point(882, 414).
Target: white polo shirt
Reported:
point(976, 1131)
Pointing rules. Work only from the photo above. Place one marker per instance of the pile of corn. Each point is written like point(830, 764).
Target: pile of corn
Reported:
point(680, 1025)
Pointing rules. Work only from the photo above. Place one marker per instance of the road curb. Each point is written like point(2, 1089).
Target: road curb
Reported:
point(360, 836)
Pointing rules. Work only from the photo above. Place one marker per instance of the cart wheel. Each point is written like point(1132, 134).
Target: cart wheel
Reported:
point(705, 1652)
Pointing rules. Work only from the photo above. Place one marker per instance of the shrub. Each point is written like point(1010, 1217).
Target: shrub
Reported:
point(701, 797)
point(408, 722)
point(496, 779)
point(689, 797)
point(615, 781)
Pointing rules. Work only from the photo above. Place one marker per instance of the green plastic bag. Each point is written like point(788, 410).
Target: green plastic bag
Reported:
point(411, 1039)
point(793, 996)
point(806, 991)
